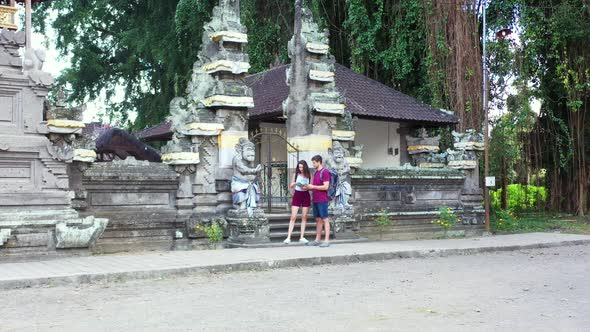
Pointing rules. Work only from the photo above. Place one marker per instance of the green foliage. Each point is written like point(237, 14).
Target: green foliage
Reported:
point(505, 221)
point(214, 232)
point(521, 198)
point(387, 41)
point(267, 34)
point(551, 59)
point(363, 28)
point(383, 222)
point(141, 49)
point(509, 137)
point(508, 222)
point(140, 53)
point(446, 218)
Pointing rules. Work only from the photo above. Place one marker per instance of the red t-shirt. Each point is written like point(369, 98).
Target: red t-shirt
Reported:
point(320, 195)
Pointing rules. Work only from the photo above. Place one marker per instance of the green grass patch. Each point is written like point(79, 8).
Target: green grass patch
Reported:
point(503, 222)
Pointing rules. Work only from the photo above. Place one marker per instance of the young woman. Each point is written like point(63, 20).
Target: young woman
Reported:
point(301, 199)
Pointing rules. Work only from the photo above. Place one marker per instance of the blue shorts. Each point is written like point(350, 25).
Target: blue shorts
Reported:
point(320, 210)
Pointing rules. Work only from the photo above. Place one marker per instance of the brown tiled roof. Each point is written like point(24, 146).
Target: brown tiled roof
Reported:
point(364, 97)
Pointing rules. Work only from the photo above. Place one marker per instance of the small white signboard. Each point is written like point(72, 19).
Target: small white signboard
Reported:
point(490, 181)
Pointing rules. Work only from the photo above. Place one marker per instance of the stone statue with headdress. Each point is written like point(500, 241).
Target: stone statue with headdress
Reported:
point(337, 163)
point(244, 186)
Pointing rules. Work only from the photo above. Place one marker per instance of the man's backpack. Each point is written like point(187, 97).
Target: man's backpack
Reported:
point(333, 183)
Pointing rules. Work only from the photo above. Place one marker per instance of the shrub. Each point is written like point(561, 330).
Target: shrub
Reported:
point(504, 220)
point(214, 232)
point(520, 198)
point(446, 218)
point(383, 221)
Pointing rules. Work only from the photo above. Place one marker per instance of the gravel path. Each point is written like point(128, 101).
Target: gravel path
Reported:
point(533, 290)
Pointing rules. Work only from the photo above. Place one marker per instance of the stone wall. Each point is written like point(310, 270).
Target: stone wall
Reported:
point(411, 197)
point(138, 197)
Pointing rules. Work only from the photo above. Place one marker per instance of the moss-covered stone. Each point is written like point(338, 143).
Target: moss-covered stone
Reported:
point(408, 172)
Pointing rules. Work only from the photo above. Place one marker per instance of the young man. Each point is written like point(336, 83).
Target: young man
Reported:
point(319, 186)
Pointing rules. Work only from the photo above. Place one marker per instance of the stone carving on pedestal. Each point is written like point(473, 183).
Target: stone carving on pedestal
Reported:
point(469, 140)
point(462, 159)
point(337, 163)
point(247, 223)
point(64, 128)
point(423, 150)
point(245, 189)
point(33, 67)
point(341, 210)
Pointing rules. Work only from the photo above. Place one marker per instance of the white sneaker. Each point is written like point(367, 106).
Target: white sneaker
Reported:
point(303, 240)
point(287, 241)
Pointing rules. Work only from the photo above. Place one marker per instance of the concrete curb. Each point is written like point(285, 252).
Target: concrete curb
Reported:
point(78, 279)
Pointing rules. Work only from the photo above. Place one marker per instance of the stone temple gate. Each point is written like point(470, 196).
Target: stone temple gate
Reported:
point(57, 196)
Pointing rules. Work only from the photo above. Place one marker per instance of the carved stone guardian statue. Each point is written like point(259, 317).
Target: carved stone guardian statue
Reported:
point(337, 162)
point(247, 223)
point(244, 187)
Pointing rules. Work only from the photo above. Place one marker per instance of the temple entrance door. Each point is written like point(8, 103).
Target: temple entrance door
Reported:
point(272, 146)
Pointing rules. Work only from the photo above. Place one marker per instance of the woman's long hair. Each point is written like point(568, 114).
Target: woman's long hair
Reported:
point(305, 172)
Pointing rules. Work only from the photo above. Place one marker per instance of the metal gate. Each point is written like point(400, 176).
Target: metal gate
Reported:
point(274, 178)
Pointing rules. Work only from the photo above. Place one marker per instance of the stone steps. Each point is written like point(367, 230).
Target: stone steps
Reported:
point(285, 225)
point(274, 236)
point(279, 227)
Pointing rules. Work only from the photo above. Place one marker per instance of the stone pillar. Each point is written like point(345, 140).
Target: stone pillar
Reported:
point(315, 110)
point(213, 116)
point(185, 166)
point(318, 122)
point(465, 157)
point(204, 139)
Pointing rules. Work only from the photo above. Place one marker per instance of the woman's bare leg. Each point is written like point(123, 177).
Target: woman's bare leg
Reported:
point(294, 210)
point(304, 212)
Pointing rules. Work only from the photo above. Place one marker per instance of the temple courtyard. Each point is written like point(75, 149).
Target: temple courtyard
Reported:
point(480, 287)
